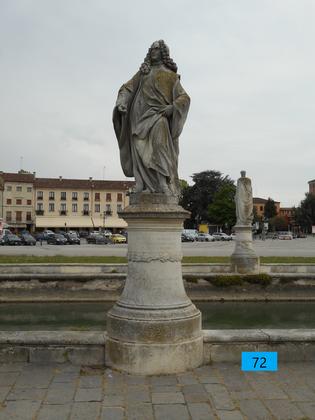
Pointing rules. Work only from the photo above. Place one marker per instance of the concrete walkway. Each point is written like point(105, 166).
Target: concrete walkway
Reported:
point(219, 391)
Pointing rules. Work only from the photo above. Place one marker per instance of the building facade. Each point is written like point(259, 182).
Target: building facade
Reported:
point(311, 186)
point(33, 203)
point(259, 205)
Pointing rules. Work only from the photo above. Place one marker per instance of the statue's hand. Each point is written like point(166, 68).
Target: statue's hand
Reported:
point(122, 109)
point(168, 111)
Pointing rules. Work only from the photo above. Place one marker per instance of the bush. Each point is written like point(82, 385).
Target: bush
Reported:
point(239, 280)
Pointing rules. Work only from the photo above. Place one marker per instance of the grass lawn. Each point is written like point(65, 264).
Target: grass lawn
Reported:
point(31, 259)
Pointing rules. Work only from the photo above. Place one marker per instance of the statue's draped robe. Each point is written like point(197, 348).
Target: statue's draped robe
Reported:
point(148, 141)
point(244, 202)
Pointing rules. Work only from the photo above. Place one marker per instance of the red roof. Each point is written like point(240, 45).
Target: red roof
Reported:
point(85, 184)
point(17, 177)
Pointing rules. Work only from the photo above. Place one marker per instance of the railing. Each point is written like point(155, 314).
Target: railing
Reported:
point(108, 212)
point(62, 212)
point(39, 212)
point(86, 212)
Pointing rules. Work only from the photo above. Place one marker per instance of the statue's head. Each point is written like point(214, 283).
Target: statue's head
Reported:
point(243, 174)
point(158, 53)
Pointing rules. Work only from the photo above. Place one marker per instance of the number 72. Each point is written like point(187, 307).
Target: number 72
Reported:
point(263, 363)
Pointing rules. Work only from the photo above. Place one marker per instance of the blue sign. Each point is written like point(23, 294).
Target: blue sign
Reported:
point(259, 360)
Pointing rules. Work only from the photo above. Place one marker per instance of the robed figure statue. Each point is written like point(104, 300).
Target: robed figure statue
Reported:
point(148, 118)
point(244, 201)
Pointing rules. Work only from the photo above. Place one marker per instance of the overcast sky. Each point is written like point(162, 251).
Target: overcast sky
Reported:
point(248, 66)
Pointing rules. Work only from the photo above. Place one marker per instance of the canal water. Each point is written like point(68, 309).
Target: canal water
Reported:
point(215, 315)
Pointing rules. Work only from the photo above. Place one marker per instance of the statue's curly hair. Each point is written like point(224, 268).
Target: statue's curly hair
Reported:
point(166, 59)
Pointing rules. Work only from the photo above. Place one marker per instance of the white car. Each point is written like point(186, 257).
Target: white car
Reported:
point(204, 237)
point(220, 236)
point(285, 236)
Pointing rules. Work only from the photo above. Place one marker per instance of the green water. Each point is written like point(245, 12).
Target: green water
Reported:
point(92, 316)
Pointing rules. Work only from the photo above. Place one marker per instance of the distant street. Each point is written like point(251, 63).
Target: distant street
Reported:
point(293, 248)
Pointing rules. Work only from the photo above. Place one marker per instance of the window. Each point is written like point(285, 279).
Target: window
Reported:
point(19, 188)
point(108, 197)
point(51, 207)
point(119, 197)
point(9, 201)
point(261, 208)
point(86, 196)
point(108, 209)
point(40, 195)
point(74, 208)
point(63, 206)
point(51, 195)
point(18, 216)
point(86, 210)
point(18, 201)
point(8, 216)
point(63, 195)
point(97, 196)
point(9, 187)
point(97, 208)
point(29, 189)
point(29, 202)
point(40, 206)
point(119, 208)
point(74, 196)
point(28, 216)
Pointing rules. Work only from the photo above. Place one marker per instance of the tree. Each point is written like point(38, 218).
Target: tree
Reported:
point(270, 209)
point(198, 197)
point(278, 223)
point(304, 214)
point(222, 209)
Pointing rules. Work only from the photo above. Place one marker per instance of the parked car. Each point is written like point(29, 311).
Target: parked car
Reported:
point(204, 237)
point(98, 239)
point(285, 236)
point(191, 232)
point(187, 238)
point(117, 238)
point(83, 233)
point(11, 239)
point(28, 239)
point(72, 238)
point(220, 236)
point(272, 235)
point(56, 239)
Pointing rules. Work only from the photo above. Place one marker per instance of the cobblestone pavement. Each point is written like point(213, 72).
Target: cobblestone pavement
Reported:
point(219, 391)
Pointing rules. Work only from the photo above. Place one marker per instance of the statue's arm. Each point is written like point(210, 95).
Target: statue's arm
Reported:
point(181, 103)
point(125, 94)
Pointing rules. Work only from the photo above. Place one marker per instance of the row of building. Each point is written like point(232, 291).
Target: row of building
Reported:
point(28, 202)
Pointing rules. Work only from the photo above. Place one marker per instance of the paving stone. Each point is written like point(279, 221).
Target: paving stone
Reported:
point(90, 381)
point(54, 412)
point(137, 394)
point(4, 391)
point(113, 400)
point(33, 380)
point(12, 367)
point(219, 396)
point(60, 395)
point(136, 380)
point(88, 394)
point(85, 411)
point(210, 379)
point(140, 412)
point(200, 411)
point(308, 409)
point(19, 410)
point(112, 413)
point(8, 378)
point(114, 389)
point(166, 388)
point(65, 377)
point(164, 380)
point(31, 394)
point(168, 398)
point(284, 409)
point(267, 390)
point(300, 393)
point(233, 415)
point(254, 409)
point(171, 412)
point(187, 379)
point(244, 395)
point(195, 393)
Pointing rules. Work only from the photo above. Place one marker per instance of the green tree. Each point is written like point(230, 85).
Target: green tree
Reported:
point(278, 223)
point(270, 209)
point(200, 195)
point(222, 209)
point(304, 214)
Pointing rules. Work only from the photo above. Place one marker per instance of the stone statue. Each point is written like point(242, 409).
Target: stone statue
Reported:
point(148, 118)
point(244, 201)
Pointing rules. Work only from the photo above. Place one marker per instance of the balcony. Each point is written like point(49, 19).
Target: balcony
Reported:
point(74, 198)
point(63, 212)
point(86, 212)
point(52, 198)
point(86, 198)
point(39, 212)
point(40, 197)
point(108, 212)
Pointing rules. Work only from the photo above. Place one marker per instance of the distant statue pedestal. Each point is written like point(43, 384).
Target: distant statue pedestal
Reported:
point(244, 259)
point(154, 328)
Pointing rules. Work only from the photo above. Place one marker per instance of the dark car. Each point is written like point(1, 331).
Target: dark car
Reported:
point(97, 239)
point(56, 239)
point(72, 238)
point(11, 240)
point(28, 239)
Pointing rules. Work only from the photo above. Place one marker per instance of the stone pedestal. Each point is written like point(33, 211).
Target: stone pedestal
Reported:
point(154, 328)
point(244, 259)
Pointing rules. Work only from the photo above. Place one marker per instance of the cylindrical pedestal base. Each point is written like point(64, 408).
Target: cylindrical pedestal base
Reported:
point(244, 259)
point(154, 328)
